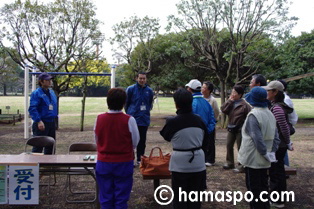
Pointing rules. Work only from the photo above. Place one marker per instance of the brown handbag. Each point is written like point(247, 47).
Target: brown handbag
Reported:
point(155, 165)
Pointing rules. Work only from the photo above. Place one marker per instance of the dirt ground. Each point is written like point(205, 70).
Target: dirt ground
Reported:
point(142, 196)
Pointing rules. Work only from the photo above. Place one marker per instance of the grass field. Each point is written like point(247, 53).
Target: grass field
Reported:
point(218, 179)
point(71, 107)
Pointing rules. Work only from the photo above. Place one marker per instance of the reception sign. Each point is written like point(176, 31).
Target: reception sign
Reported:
point(24, 185)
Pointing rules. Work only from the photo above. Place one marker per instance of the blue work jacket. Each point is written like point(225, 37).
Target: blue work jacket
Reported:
point(139, 103)
point(39, 106)
point(202, 108)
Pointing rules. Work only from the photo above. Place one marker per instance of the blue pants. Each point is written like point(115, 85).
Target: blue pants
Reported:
point(286, 159)
point(50, 130)
point(115, 182)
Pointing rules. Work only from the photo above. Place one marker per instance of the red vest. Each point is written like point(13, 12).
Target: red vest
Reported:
point(114, 138)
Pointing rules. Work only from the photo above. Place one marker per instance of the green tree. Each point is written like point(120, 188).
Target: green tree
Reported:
point(296, 57)
point(9, 72)
point(91, 66)
point(51, 36)
point(222, 32)
point(171, 62)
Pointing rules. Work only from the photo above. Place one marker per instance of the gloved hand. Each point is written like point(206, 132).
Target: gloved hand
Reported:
point(270, 157)
point(290, 147)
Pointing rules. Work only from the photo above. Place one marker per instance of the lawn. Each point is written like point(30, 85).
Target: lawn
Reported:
point(71, 106)
point(142, 197)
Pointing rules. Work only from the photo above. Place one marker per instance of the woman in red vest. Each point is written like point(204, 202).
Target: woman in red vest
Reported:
point(116, 135)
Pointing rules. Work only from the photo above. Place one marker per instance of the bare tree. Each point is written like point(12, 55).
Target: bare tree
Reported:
point(225, 33)
point(130, 33)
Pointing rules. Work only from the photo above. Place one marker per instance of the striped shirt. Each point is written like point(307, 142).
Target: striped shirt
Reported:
point(282, 125)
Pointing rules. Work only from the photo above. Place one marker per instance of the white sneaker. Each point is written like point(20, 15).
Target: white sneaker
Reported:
point(277, 205)
point(137, 163)
point(209, 164)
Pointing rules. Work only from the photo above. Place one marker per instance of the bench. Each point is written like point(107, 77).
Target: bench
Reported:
point(10, 118)
point(156, 179)
point(289, 171)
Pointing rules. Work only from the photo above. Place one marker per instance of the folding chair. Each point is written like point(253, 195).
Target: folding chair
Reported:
point(43, 141)
point(40, 141)
point(79, 148)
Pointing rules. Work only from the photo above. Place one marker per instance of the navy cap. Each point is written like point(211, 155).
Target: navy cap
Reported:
point(44, 76)
point(257, 97)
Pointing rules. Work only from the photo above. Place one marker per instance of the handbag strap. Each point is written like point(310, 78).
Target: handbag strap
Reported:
point(160, 153)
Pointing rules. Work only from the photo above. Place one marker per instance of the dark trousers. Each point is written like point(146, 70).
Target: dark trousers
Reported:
point(277, 174)
point(50, 130)
point(140, 149)
point(256, 182)
point(187, 182)
point(231, 139)
point(210, 152)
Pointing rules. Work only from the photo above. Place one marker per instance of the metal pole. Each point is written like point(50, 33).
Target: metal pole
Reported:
point(113, 76)
point(26, 91)
point(33, 79)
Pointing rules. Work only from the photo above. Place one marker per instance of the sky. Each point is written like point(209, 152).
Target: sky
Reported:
point(112, 12)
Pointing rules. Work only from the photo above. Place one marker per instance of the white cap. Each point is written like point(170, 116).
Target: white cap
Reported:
point(194, 84)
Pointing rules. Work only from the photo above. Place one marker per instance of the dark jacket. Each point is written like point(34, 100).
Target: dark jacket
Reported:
point(236, 110)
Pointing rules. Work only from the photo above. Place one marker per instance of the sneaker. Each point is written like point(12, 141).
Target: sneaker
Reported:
point(137, 163)
point(209, 164)
point(277, 205)
point(228, 166)
point(238, 170)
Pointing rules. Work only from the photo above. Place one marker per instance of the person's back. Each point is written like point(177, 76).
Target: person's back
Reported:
point(185, 132)
point(188, 135)
point(202, 108)
point(116, 136)
point(114, 144)
point(259, 144)
point(293, 117)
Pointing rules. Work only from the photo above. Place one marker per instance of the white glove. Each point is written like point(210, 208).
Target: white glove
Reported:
point(290, 147)
point(270, 157)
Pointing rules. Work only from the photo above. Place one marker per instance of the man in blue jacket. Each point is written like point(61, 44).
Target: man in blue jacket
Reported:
point(43, 110)
point(139, 104)
point(202, 108)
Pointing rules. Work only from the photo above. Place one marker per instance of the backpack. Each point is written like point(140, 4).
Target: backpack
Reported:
point(287, 111)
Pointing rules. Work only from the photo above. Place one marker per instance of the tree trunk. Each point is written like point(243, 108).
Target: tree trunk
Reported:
point(223, 93)
point(4, 89)
point(83, 103)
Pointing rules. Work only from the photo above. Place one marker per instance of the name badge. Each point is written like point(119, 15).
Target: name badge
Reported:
point(143, 107)
point(50, 107)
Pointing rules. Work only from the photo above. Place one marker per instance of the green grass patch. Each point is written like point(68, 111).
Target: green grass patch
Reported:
point(70, 107)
